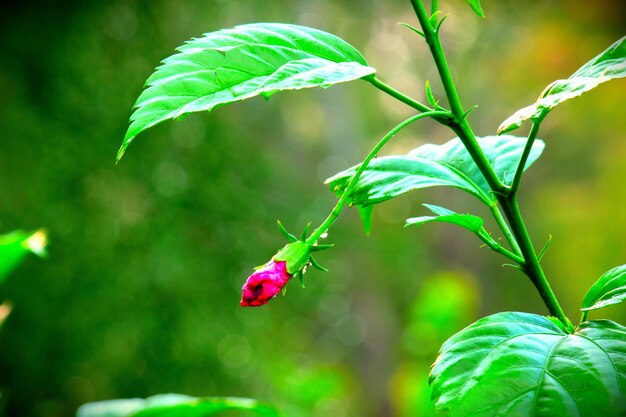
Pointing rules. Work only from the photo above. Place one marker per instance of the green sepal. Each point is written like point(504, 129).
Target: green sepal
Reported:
point(317, 248)
point(291, 238)
point(317, 265)
point(301, 279)
point(295, 254)
point(305, 232)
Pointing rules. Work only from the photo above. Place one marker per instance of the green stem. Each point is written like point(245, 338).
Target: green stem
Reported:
point(460, 126)
point(507, 200)
point(522, 162)
point(434, 7)
point(317, 233)
point(504, 227)
point(532, 268)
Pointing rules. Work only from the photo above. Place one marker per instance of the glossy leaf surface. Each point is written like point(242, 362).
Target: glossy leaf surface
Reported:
point(172, 405)
point(436, 165)
point(609, 289)
point(235, 64)
point(16, 245)
point(608, 65)
point(467, 221)
point(523, 365)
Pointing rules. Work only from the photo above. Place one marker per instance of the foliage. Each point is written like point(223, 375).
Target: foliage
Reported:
point(14, 247)
point(505, 364)
point(147, 252)
point(524, 364)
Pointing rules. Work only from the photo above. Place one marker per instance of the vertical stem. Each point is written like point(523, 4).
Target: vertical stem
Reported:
point(532, 268)
point(461, 127)
point(507, 200)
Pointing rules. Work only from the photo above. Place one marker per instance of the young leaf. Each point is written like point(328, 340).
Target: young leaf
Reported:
point(476, 7)
point(609, 289)
point(16, 245)
point(173, 405)
point(436, 165)
point(235, 64)
point(608, 65)
point(521, 364)
point(467, 221)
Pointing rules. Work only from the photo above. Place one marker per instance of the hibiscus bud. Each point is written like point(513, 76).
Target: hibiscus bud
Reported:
point(268, 280)
point(265, 283)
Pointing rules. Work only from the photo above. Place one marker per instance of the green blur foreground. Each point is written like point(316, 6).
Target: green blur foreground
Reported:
point(139, 293)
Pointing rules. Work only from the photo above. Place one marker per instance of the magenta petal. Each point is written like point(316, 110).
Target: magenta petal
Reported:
point(264, 284)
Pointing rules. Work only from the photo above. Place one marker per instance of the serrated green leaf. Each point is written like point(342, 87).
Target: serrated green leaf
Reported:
point(436, 165)
point(523, 365)
point(468, 221)
point(173, 405)
point(609, 289)
point(235, 64)
point(16, 245)
point(608, 65)
point(476, 7)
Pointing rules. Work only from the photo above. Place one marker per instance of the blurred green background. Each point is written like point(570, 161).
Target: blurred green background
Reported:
point(140, 292)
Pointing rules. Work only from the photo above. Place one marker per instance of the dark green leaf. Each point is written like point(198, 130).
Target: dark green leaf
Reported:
point(172, 405)
point(608, 65)
point(235, 64)
point(436, 165)
point(470, 222)
point(609, 289)
point(16, 245)
point(523, 365)
point(476, 7)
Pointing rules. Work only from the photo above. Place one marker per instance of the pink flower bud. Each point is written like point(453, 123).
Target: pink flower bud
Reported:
point(265, 283)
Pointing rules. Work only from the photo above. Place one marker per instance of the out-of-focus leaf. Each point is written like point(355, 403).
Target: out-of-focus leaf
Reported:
point(16, 245)
point(468, 221)
point(609, 289)
point(5, 310)
point(235, 64)
point(172, 405)
point(521, 364)
point(476, 7)
point(608, 65)
point(436, 165)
